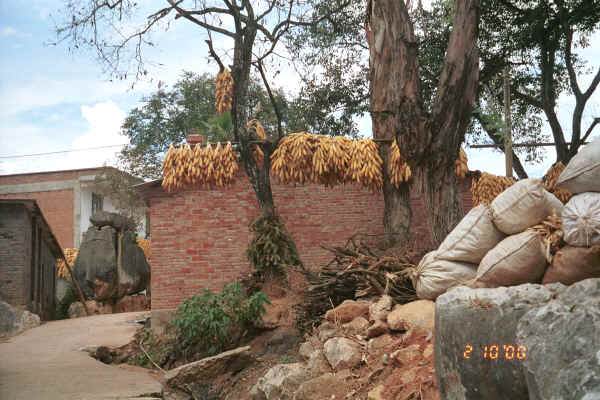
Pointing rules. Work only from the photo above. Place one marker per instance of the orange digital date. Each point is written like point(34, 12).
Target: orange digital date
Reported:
point(495, 351)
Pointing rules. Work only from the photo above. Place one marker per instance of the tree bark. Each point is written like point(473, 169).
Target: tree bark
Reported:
point(386, 103)
point(258, 175)
point(429, 142)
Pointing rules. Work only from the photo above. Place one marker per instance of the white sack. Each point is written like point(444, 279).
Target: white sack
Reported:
point(522, 205)
point(472, 238)
point(433, 276)
point(581, 220)
point(582, 174)
point(515, 260)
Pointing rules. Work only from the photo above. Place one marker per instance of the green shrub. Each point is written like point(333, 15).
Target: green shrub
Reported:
point(210, 323)
point(271, 247)
point(155, 348)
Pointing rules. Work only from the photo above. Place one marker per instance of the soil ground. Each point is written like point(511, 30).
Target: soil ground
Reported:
point(47, 362)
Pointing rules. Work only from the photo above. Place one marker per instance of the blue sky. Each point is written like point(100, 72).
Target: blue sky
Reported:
point(52, 100)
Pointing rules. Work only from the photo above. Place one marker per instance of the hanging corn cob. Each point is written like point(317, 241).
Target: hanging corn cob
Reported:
point(488, 186)
point(398, 168)
point(256, 131)
point(71, 256)
point(223, 91)
point(460, 165)
point(145, 246)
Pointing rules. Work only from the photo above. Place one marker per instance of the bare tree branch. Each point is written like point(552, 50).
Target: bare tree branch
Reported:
point(260, 68)
point(196, 21)
point(590, 129)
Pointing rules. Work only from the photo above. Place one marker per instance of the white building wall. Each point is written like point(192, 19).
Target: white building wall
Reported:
point(86, 211)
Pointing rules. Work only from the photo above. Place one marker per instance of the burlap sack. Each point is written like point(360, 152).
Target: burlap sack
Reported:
point(434, 276)
point(524, 204)
point(581, 220)
point(553, 204)
point(515, 260)
point(573, 264)
point(582, 174)
point(472, 238)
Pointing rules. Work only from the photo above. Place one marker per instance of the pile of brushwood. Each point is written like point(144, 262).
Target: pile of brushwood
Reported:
point(358, 271)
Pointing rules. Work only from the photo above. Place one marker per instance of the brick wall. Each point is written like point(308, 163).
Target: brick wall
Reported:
point(57, 207)
point(199, 238)
point(15, 231)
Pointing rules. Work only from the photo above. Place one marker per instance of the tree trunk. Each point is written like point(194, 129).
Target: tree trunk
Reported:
point(429, 142)
point(258, 175)
point(397, 214)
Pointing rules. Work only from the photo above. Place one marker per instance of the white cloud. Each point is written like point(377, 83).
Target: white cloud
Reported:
point(104, 129)
point(9, 31)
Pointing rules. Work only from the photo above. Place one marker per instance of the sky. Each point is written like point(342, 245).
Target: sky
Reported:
point(52, 100)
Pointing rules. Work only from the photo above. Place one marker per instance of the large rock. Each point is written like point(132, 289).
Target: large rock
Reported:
point(347, 311)
point(416, 313)
point(13, 321)
point(468, 322)
point(96, 264)
point(317, 364)
point(206, 370)
point(134, 270)
point(342, 353)
point(563, 344)
point(280, 382)
point(98, 272)
point(379, 310)
point(104, 218)
point(132, 304)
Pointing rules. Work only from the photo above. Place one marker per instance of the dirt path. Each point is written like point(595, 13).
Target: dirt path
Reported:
point(46, 362)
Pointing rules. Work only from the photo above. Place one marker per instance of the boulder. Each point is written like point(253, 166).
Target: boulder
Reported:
point(377, 329)
point(13, 321)
point(471, 326)
point(407, 354)
point(134, 270)
point(342, 353)
point(306, 350)
point(104, 218)
point(321, 387)
point(357, 326)
point(96, 264)
point(98, 271)
point(416, 313)
point(326, 331)
point(562, 339)
point(280, 382)
point(94, 307)
point(206, 370)
point(347, 311)
point(379, 310)
point(317, 364)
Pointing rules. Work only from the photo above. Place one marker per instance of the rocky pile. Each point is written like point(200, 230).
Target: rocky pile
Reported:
point(362, 350)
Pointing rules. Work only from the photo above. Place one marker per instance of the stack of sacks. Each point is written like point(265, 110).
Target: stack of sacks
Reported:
point(490, 247)
point(580, 258)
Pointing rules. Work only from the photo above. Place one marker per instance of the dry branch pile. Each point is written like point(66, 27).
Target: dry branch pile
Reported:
point(357, 271)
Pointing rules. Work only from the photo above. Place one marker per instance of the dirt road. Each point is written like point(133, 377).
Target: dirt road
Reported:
point(46, 362)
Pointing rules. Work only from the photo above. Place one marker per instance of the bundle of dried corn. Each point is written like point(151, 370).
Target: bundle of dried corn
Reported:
point(488, 186)
point(398, 168)
point(552, 235)
point(256, 131)
point(460, 165)
point(550, 182)
point(224, 91)
point(292, 161)
point(145, 246)
point(188, 167)
point(70, 255)
point(331, 161)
